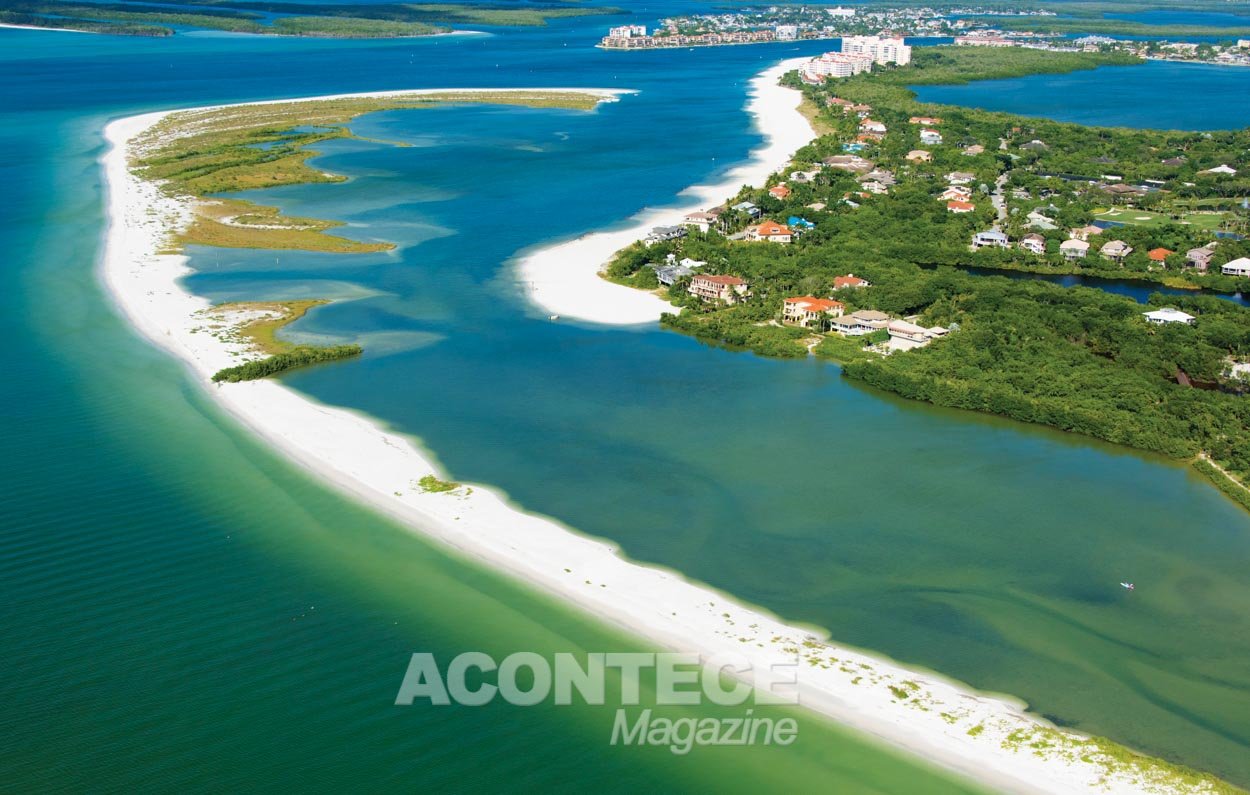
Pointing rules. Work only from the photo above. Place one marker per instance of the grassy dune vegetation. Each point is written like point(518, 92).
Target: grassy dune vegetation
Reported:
point(263, 334)
point(429, 13)
point(373, 21)
point(131, 19)
point(202, 153)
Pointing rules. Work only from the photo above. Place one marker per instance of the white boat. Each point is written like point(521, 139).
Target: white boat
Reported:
point(1128, 586)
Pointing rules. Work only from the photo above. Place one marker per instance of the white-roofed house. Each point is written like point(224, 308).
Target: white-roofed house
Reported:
point(1074, 248)
point(1169, 315)
point(1237, 267)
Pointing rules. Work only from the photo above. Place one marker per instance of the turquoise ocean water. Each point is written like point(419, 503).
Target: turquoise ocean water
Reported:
point(187, 611)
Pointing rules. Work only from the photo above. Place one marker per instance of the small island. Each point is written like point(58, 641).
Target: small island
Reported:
point(256, 325)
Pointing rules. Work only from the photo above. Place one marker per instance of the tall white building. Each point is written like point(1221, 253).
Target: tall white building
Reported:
point(835, 64)
point(627, 31)
point(881, 49)
point(787, 32)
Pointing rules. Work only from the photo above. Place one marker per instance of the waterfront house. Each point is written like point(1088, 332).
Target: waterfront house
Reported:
point(919, 156)
point(1200, 258)
point(661, 234)
point(748, 208)
point(723, 289)
point(1034, 243)
point(930, 137)
point(1159, 255)
point(667, 275)
point(807, 311)
point(700, 220)
point(991, 238)
point(1115, 250)
point(1237, 267)
point(849, 280)
point(1074, 248)
point(1085, 232)
point(1169, 315)
point(769, 231)
point(857, 324)
point(779, 191)
point(906, 336)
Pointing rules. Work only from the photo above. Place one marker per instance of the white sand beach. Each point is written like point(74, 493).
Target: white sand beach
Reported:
point(984, 737)
point(40, 27)
point(563, 279)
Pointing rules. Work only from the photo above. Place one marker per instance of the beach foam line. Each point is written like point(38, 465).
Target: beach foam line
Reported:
point(942, 721)
point(563, 279)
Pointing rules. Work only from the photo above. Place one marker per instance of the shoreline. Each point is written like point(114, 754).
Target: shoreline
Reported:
point(564, 277)
point(14, 26)
point(691, 46)
point(359, 457)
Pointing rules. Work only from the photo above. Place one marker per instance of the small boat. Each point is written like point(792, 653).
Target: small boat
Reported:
point(1128, 586)
point(554, 317)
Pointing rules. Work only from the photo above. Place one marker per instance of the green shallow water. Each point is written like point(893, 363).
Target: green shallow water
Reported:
point(184, 611)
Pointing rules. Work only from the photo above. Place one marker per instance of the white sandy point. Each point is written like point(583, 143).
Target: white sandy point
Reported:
point(563, 279)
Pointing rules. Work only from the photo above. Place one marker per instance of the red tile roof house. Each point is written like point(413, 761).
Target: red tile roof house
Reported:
point(1159, 254)
point(770, 231)
point(806, 310)
point(849, 280)
point(779, 191)
point(727, 289)
point(957, 206)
